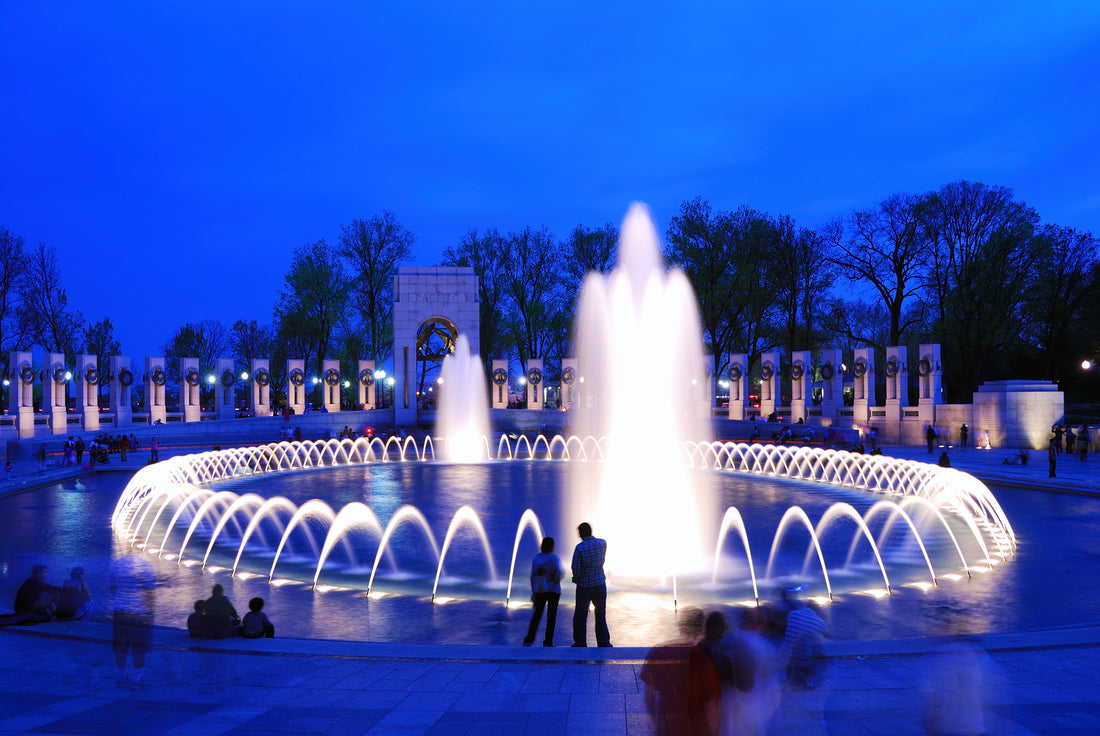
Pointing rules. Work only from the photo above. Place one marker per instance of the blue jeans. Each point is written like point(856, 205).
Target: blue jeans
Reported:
point(593, 596)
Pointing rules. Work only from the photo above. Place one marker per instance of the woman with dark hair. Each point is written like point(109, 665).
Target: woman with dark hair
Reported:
point(546, 572)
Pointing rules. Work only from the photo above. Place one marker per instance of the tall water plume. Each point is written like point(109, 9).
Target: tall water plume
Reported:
point(642, 394)
point(463, 419)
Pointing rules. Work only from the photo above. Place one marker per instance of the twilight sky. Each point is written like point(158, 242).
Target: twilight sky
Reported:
point(175, 153)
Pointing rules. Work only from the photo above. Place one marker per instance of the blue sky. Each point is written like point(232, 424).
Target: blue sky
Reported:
point(176, 153)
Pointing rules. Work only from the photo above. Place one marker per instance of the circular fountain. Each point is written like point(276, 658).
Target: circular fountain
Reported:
point(641, 467)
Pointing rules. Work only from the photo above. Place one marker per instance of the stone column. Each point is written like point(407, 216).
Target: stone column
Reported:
point(367, 385)
point(569, 386)
point(534, 383)
point(929, 395)
point(296, 385)
point(801, 376)
point(832, 385)
point(499, 387)
point(769, 383)
point(190, 389)
point(155, 380)
point(54, 394)
point(897, 392)
point(863, 386)
point(225, 388)
point(122, 381)
point(261, 388)
point(87, 394)
point(739, 385)
point(330, 385)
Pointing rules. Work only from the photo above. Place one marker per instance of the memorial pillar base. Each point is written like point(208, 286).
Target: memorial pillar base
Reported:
point(59, 421)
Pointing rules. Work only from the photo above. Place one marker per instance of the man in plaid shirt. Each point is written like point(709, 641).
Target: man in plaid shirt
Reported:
point(588, 574)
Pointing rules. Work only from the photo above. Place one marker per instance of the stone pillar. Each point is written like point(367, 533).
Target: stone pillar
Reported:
point(54, 394)
point(122, 381)
point(929, 395)
point(155, 380)
point(534, 383)
point(190, 389)
point(261, 388)
point(500, 384)
point(296, 386)
point(569, 385)
point(801, 377)
point(330, 385)
point(863, 385)
point(897, 392)
point(225, 390)
point(367, 385)
point(739, 385)
point(769, 383)
point(87, 394)
point(832, 385)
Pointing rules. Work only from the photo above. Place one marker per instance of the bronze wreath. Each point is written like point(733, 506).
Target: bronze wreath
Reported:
point(59, 373)
point(767, 372)
point(500, 376)
point(891, 368)
point(859, 370)
point(568, 375)
point(827, 371)
point(228, 379)
point(797, 371)
point(125, 377)
point(534, 376)
point(735, 372)
point(91, 375)
point(263, 378)
point(366, 377)
point(332, 377)
point(192, 377)
point(924, 367)
point(297, 377)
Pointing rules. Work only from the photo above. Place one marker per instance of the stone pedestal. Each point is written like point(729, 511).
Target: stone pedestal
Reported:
point(770, 379)
point(121, 386)
point(1017, 414)
point(297, 384)
point(863, 386)
point(569, 385)
point(535, 378)
point(737, 372)
point(367, 384)
point(225, 389)
point(897, 392)
point(156, 378)
point(832, 384)
point(86, 379)
point(260, 381)
point(55, 383)
point(330, 385)
point(801, 377)
point(190, 382)
point(499, 384)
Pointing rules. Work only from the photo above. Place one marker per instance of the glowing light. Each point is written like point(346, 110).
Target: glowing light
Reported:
point(211, 380)
point(923, 586)
point(822, 600)
point(347, 384)
point(244, 375)
point(247, 575)
point(876, 593)
point(328, 588)
point(1086, 365)
point(442, 600)
point(280, 582)
point(68, 377)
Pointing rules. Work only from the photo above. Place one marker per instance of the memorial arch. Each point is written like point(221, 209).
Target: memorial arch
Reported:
point(432, 306)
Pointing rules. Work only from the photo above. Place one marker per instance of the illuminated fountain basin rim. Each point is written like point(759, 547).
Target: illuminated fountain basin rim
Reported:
point(919, 483)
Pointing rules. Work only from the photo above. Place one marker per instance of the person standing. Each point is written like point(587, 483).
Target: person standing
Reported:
point(1058, 432)
point(587, 567)
point(133, 586)
point(1083, 443)
point(1071, 440)
point(964, 434)
point(930, 435)
point(546, 572)
point(1052, 458)
point(123, 448)
point(154, 450)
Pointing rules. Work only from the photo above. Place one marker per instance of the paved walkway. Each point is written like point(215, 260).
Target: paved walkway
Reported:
point(59, 678)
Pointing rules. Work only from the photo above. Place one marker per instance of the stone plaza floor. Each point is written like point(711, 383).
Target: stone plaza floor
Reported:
point(59, 678)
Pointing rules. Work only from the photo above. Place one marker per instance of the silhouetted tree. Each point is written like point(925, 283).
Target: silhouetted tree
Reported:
point(43, 311)
point(13, 268)
point(537, 314)
point(488, 254)
point(311, 304)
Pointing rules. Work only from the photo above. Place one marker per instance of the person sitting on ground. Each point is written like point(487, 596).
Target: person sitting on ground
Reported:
point(35, 595)
point(221, 615)
point(1020, 458)
point(256, 624)
point(75, 599)
point(197, 623)
point(945, 461)
point(805, 627)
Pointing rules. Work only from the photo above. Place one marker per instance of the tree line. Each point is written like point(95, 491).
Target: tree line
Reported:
point(967, 266)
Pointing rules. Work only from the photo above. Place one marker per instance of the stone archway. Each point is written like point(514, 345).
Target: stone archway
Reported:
point(431, 305)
